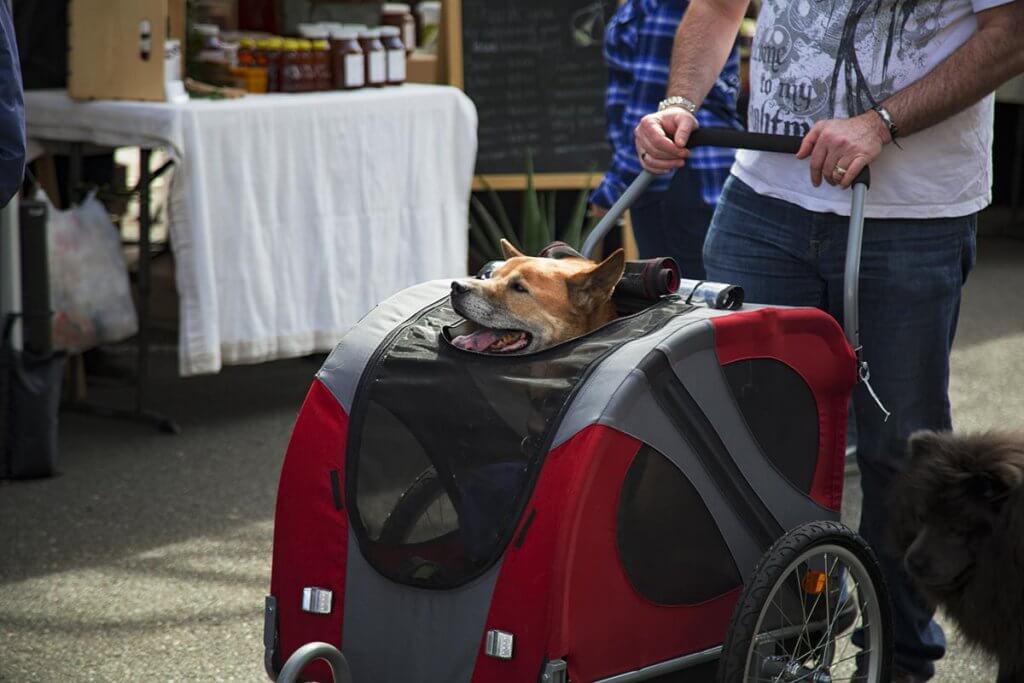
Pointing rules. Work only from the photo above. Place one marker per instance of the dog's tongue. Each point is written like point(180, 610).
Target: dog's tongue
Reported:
point(480, 340)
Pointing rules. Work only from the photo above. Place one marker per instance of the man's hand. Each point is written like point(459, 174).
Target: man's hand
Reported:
point(840, 148)
point(661, 139)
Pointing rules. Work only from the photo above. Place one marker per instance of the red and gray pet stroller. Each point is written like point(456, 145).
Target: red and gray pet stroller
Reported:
point(656, 500)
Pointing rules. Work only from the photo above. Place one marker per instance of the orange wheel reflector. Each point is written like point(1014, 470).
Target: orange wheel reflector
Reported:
point(814, 582)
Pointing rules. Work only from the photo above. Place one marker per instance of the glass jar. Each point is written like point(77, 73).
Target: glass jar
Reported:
point(400, 16)
point(395, 54)
point(306, 64)
point(429, 12)
point(348, 64)
point(291, 67)
point(322, 62)
point(376, 58)
point(268, 55)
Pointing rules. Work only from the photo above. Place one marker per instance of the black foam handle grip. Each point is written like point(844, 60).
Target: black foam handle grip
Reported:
point(760, 142)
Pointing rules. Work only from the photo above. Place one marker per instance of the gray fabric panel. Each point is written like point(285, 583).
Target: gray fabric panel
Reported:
point(592, 400)
point(701, 374)
point(343, 368)
point(400, 634)
point(635, 412)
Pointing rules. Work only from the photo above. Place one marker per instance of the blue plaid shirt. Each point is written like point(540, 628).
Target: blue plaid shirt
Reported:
point(638, 50)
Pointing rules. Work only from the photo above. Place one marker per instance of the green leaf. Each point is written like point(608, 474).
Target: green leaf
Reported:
point(533, 230)
point(487, 225)
point(573, 233)
point(552, 230)
point(500, 215)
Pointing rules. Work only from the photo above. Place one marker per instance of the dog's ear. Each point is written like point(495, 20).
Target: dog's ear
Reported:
point(508, 250)
point(1000, 478)
point(593, 287)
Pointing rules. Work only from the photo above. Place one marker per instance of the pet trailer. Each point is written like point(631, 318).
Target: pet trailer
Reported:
point(599, 511)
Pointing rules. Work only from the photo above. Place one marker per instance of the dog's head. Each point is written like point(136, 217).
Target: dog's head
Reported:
point(949, 503)
point(529, 304)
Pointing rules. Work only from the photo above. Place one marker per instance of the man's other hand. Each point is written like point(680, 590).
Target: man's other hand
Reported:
point(661, 139)
point(840, 148)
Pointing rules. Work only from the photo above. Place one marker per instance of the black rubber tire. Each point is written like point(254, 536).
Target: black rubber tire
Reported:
point(777, 563)
point(423, 492)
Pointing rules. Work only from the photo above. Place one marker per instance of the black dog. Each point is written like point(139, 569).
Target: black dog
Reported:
point(959, 526)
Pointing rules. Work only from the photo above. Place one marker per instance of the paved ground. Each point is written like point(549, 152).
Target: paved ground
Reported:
point(148, 559)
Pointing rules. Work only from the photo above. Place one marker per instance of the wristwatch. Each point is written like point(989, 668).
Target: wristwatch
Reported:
point(887, 120)
point(677, 101)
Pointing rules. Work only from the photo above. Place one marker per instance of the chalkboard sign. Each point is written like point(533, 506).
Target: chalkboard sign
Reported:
point(535, 70)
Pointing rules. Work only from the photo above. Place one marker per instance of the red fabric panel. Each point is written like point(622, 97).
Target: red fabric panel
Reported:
point(310, 534)
point(564, 593)
point(811, 342)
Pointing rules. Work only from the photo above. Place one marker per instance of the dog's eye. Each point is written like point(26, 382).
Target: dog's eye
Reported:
point(518, 287)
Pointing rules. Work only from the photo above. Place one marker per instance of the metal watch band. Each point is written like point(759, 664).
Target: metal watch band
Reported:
point(887, 119)
point(677, 101)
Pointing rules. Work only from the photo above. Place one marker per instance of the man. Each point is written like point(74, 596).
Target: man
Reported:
point(903, 85)
point(673, 217)
point(12, 111)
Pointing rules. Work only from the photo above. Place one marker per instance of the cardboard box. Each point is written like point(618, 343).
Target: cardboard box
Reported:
point(422, 68)
point(116, 47)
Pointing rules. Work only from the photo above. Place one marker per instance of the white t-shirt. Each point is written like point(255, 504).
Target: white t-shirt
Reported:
point(821, 59)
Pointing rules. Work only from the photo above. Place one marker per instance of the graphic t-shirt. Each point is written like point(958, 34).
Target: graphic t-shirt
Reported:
point(822, 59)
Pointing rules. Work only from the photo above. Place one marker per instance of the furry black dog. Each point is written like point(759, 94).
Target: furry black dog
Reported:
point(959, 526)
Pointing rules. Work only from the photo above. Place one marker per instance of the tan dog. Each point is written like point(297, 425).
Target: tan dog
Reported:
point(530, 304)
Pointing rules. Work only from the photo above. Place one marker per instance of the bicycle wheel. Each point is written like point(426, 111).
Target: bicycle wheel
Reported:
point(423, 512)
point(816, 609)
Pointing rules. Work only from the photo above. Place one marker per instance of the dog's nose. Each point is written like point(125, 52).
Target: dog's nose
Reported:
point(458, 287)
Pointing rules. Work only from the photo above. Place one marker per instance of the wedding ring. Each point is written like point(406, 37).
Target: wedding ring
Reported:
point(839, 170)
point(643, 156)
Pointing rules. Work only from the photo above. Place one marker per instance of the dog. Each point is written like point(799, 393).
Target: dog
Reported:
point(959, 527)
point(530, 304)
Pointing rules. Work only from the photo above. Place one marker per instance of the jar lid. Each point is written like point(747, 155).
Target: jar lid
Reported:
point(344, 33)
point(395, 7)
point(304, 44)
point(368, 33)
point(321, 45)
point(389, 32)
point(247, 43)
point(290, 44)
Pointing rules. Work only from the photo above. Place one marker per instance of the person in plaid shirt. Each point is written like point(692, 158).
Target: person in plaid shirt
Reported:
point(673, 217)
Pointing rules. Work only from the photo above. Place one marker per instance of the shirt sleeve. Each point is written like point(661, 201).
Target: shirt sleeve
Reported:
point(656, 30)
point(12, 111)
point(982, 5)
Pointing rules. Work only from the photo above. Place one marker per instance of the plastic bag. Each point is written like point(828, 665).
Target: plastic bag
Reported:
point(89, 287)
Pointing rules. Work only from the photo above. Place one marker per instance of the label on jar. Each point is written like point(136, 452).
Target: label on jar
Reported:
point(396, 66)
point(378, 66)
point(355, 71)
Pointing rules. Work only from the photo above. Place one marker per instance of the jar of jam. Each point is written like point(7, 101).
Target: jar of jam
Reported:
point(348, 65)
point(376, 58)
point(399, 15)
point(396, 54)
point(322, 62)
point(268, 55)
point(291, 67)
point(306, 64)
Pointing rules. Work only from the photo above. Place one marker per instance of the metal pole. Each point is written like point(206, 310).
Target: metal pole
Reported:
point(851, 277)
point(10, 268)
point(142, 369)
point(608, 221)
point(313, 651)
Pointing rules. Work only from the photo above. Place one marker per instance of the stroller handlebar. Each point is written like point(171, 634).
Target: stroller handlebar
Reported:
point(763, 142)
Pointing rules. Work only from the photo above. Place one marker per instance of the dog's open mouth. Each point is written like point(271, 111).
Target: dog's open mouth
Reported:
point(486, 340)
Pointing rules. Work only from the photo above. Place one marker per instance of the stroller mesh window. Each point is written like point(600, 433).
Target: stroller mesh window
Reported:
point(444, 444)
point(782, 414)
point(669, 543)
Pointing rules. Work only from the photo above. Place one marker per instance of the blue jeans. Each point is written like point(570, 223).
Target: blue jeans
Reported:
point(674, 223)
point(912, 272)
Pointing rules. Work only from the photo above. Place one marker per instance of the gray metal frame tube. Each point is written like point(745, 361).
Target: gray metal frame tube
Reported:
point(311, 652)
point(851, 276)
point(604, 226)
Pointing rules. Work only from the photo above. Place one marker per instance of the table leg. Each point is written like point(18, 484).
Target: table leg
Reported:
point(165, 424)
point(74, 174)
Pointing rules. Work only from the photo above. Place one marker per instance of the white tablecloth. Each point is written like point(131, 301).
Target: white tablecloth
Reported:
point(293, 215)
